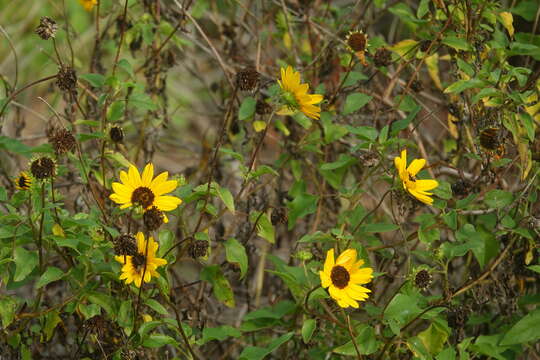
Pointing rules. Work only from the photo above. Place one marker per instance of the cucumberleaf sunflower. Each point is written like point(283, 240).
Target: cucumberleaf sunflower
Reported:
point(344, 277)
point(145, 191)
point(416, 187)
point(143, 263)
point(295, 95)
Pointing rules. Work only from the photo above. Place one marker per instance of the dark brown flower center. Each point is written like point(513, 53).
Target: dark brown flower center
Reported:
point(143, 196)
point(340, 276)
point(138, 261)
point(357, 41)
point(411, 178)
point(23, 182)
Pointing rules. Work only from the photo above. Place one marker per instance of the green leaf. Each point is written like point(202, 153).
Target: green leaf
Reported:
point(303, 203)
point(51, 274)
point(220, 285)
point(52, 319)
point(378, 228)
point(25, 262)
point(158, 340)
point(265, 229)
point(236, 254)
point(462, 85)
point(96, 80)
point(8, 307)
point(157, 307)
point(308, 328)
point(218, 333)
point(355, 102)
point(456, 43)
point(498, 198)
point(366, 341)
point(535, 268)
point(434, 338)
point(525, 330)
point(258, 353)
point(247, 109)
point(402, 308)
point(227, 198)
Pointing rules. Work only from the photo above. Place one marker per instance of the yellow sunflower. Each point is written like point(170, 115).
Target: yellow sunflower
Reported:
point(88, 4)
point(344, 276)
point(23, 181)
point(145, 191)
point(295, 95)
point(134, 266)
point(417, 188)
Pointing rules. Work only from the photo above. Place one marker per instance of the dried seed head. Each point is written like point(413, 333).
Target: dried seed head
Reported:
point(279, 216)
point(125, 245)
point(47, 28)
point(457, 316)
point(357, 41)
point(262, 107)
point(43, 168)
point(66, 79)
point(198, 248)
point(383, 57)
point(369, 159)
point(490, 138)
point(424, 45)
point(422, 279)
point(128, 354)
point(416, 86)
point(116, 134)
point(461, 187)
point(153, 218)
point(62, 140)
point(248, 79)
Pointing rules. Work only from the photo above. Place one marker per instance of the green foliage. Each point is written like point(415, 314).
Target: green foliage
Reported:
point(267, 190)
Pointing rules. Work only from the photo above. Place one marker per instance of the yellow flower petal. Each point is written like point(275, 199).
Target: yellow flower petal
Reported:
point(329, 262)
point(167, 203)
point(147, 175)
point(425, 185)
point(416, 166)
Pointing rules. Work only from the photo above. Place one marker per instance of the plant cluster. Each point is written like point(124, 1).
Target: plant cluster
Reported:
point(279, 179)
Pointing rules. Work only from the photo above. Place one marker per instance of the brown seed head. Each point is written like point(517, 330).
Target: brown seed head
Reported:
point(383, 57)
point(125, 245)
point(62, 140)
point(198, 248)
point(422, 279)
point(153, 218)
point(262, 107)
point(248, 79)
point(47, 28)
point(43, 167)
point(116, 134)
point(66, 79)
point(279, 216)
point(357, 41)
point(142, 196)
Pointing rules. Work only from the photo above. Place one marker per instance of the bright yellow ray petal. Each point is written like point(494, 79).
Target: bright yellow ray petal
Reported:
point(164, 187)
point(415, 166)
point(147, 175)
point(426, 185)
point(325, 279)
point(167, 203)
point(348, 256)
point(141, 244)
point(134, 177)
point(329, 262)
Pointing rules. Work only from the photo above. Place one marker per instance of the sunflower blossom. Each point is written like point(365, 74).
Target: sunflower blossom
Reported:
point(344, 276)
point(88, 4)
point(417, 188)
point(134, 266)
point(23, 181)
point(145, 191)
point(296, 97)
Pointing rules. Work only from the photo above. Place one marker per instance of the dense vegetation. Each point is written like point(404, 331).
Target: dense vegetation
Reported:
point(279, 179)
